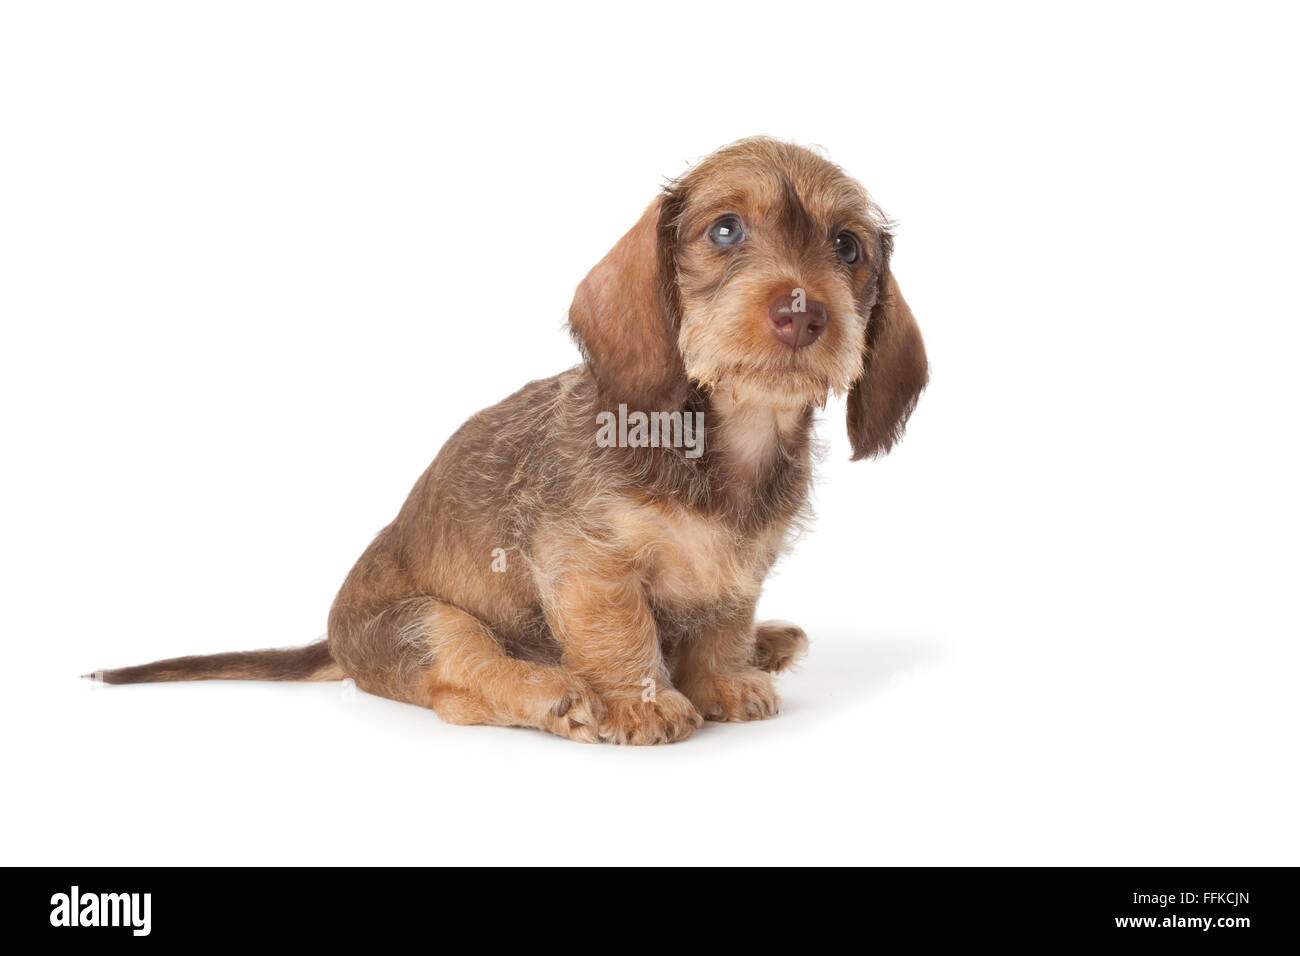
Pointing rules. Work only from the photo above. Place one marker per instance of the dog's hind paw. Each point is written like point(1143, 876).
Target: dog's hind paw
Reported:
point(577, 714)
point(777, 645)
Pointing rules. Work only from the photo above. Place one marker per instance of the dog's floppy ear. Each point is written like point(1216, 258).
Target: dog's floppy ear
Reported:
point(624, 316)
point(894, 372)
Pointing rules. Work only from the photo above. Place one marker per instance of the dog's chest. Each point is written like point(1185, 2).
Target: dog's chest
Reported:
point(686, 558)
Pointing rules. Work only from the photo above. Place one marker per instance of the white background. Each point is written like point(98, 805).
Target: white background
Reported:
point(258, 260)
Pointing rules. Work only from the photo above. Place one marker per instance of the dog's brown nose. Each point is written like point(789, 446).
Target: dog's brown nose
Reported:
point(797, 321)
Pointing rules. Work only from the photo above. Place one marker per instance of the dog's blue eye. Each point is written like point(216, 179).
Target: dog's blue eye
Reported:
point(846, 247)
point(727, 231)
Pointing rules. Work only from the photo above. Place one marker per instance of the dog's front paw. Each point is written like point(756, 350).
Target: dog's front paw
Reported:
point(777, 645)
point(747, 695)
point(636, 720)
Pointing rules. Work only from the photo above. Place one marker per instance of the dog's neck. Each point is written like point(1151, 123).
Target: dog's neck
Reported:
point(757, 455)
point(749, 436)
point(753, 467)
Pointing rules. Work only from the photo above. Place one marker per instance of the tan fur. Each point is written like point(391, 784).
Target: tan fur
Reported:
point(682, 556)
point(536, 578)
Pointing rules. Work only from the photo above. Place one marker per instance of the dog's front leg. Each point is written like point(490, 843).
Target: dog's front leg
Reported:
point(610, 639)
point(715, 670)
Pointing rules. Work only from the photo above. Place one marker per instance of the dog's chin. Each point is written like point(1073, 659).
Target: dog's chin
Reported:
point(781, 389)
point(762, 374)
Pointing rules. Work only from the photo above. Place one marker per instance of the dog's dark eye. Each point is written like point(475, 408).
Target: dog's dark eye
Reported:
point(727, 231)
point(846, 247)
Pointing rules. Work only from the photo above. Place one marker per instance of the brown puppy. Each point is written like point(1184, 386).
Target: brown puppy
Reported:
point(586, 556)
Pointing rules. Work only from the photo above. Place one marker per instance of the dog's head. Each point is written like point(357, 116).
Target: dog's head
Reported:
point(763, 270)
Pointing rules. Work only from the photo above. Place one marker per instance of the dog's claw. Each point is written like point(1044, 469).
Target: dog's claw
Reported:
point(575, 714)
point(668, 718)
point(747, 695)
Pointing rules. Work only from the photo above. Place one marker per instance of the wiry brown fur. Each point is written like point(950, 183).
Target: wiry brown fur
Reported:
point(625, 608)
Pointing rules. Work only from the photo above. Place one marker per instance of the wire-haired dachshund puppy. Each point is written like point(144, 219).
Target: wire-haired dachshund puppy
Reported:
point(586, 556)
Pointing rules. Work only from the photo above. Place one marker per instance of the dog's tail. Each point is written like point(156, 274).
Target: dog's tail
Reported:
point(312, 662)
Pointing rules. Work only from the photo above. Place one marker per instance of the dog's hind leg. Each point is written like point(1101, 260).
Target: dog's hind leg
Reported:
point(777, 645)
point(430, 653)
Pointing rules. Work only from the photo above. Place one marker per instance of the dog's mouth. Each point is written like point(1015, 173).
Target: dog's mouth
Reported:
point(785, 381)
point(780, 356)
